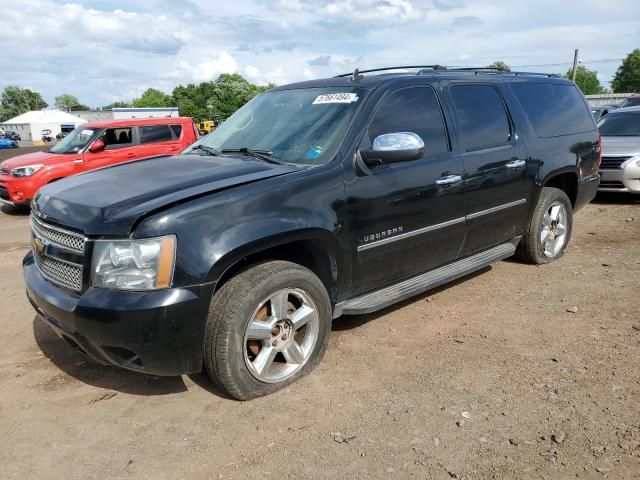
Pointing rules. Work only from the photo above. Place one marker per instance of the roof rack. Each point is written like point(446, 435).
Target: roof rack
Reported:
point(505, 71)
point(425, 69)
point(356, 73)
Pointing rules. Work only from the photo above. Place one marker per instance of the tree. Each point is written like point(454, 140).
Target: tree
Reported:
point(230, 92)
point(216, 99)
point(627, 78)
point(192, 99)
point(499, 65)
point(153, 98)
point(117, 104)
point(586, 79)
point(69, 103)
point(16, 100)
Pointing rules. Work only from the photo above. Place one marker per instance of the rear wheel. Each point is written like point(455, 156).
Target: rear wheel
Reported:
point(549, 229)
point(268, 326)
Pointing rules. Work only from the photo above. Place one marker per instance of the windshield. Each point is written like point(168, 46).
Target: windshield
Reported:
point(76, 140)
point(631, 102)
point(300, 126)
point(620, 125)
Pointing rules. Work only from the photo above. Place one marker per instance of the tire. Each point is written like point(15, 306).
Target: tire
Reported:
point(532, 248)
point(253, 315)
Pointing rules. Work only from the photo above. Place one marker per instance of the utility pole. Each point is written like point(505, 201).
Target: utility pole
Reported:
point(575, 65)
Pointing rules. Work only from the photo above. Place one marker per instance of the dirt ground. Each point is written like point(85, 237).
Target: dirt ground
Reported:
point(515, 372)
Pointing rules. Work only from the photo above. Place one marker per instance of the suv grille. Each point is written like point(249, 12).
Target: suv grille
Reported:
point(611, 184)
point(66, 275)
point(4, 195)
point(63, 238)
point(4, 171)
point(55, 250)
point(612, 163)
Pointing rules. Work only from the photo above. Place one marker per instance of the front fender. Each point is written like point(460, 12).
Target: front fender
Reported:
point(217, 231)
point(235, 251)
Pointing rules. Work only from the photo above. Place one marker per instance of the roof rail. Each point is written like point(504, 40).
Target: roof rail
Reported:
point(504, 71)
point(425, 69)
point(356, 72)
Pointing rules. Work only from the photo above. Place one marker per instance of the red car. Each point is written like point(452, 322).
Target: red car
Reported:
point(90, 146)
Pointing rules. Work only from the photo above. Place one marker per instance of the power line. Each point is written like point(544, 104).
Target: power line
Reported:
point(605, 60)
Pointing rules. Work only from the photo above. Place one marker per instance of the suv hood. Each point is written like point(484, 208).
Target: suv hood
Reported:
point(111, 200)
point(620, 146)
point(34, 158)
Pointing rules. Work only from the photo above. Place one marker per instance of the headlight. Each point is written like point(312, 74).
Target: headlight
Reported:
point(25, 171)
point(145, 264)
point(635, 161)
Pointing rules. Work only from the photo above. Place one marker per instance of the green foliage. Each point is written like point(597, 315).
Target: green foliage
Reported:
point(587, 80)
point(69, 103)
point(217, 99)
point(192, 100)
point(500, 65)
point(230, 92)
point(627, 78)
point(153, 98)
point(119, 104)
point(16, 100)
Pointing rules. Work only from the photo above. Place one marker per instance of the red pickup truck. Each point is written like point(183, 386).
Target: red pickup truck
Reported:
point(90, 146)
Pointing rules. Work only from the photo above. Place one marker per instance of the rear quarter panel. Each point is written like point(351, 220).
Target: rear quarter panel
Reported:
point(552, 156)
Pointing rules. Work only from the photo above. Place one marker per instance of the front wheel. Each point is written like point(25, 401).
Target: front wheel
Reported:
point(268, 326)
point(549, 228)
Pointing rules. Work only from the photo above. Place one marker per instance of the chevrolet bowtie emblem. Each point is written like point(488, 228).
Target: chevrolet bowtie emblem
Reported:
point(38, 245)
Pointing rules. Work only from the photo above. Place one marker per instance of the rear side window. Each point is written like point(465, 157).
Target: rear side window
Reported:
point(155, 133)
point(416, 110)
point(176, 129)
point(554, 109)
point(481, 115)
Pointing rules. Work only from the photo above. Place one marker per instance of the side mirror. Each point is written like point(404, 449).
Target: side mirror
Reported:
point(394, 148)
point(97, 146)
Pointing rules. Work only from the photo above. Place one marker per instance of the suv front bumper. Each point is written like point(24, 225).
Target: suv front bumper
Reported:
point(158, 332)
point(625, 179)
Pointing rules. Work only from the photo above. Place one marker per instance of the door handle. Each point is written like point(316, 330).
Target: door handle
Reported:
point(449, 180)
point(516, 164)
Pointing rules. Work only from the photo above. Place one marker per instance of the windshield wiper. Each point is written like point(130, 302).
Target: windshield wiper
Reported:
point(208, 150)
point(265, 155)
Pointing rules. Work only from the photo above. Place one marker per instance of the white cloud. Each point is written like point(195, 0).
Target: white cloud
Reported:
point(210, 69)
point(252, 73)
point(111, 49)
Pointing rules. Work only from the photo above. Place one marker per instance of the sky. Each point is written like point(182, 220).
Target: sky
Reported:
point(107, 50)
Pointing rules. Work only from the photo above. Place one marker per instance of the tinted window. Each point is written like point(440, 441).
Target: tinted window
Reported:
point(176, 129)
point(117, 137)
point(621, 124)
point(554, 109)
point(155, 133)
point(631, 102)
point(412, 110)
point(481, 115)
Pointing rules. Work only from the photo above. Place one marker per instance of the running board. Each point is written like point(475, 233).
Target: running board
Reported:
point(408, 288)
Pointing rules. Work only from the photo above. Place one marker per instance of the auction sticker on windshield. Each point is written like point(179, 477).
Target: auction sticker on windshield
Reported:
point(335, 98)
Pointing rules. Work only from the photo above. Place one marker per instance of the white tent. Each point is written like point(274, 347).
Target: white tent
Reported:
point(29, 125)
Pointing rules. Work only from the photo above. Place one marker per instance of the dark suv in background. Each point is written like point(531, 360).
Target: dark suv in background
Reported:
point(314, 200)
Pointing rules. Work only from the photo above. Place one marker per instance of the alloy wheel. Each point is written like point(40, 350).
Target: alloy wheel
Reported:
point(281, 335)
point(554, 229)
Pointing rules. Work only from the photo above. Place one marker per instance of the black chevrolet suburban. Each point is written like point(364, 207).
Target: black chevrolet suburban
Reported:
point(314, 200)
